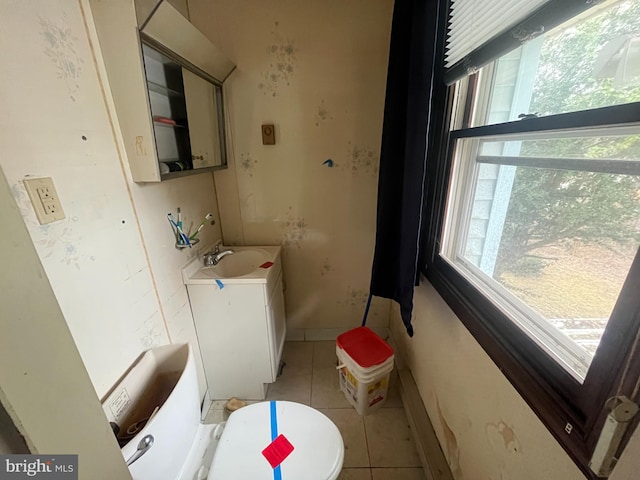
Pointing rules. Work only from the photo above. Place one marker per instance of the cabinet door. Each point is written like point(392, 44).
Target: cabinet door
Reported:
point(277, 326)
point(233, 336)
point(168, 110)
point(202, 115)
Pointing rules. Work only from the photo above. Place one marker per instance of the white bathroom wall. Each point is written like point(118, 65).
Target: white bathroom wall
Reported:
point(485, 429)
point(317, 71)
point(196, 197)
point(111, 262)
point(44, 386)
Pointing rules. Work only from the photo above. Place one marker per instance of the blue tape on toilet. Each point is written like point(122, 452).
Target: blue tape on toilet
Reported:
point(277, 473)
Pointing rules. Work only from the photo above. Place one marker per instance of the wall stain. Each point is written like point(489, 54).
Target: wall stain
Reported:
point(23, 202)
point(354, 297)
point(322, 114)
point(361, 160)
point(451, 445)
point(151, 336)
point(502, 437)
point(326, 267)
point(60, 47)
point(282, 53)
point(141, 151)
point(247, 201)
point(247, 163)
point(504, 444)
point(296, 230)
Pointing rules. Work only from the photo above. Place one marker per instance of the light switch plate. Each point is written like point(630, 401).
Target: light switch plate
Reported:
point(44, 198)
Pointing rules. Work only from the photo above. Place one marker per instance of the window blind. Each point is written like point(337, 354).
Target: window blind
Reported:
point(479, 31)
point(472, 23)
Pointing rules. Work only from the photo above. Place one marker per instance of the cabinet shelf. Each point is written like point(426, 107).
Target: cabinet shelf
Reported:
point(161, 89)
point(193, 171)
point(163, 124)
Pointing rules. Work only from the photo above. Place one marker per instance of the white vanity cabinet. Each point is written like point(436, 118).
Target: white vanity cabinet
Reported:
point(241, 330)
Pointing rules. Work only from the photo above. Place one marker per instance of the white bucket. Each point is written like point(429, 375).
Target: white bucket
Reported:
point(365, 388)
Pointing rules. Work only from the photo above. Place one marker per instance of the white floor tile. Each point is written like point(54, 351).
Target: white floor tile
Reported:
point(394, 400)
point(355, 474)
point(398, 474)
point(390, 440)
point(298, 357)
point(325, 389)
point(295, 382)
point(295, 387)
point(324, 354)
point(215, 415)
point(351, 427)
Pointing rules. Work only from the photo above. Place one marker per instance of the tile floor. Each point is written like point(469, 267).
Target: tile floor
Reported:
point(377, 447)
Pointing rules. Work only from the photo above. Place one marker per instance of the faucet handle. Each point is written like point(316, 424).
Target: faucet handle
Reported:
point(216, 248)
point(208, 259)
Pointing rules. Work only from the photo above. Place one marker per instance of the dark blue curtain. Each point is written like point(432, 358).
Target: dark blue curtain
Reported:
point(407, 122)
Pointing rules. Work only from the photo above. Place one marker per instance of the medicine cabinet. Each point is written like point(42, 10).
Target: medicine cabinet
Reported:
point(187, 114)
point(166, 79)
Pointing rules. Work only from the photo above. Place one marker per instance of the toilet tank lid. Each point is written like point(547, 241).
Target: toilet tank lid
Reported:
point(316, 441)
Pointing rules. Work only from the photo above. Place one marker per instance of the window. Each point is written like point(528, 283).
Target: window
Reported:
point(534, 229)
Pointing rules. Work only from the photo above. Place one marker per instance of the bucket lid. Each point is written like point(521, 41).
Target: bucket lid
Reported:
point(307, 444)
point(364, 347)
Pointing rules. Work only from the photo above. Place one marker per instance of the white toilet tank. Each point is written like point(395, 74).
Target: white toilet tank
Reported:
point(157, 396)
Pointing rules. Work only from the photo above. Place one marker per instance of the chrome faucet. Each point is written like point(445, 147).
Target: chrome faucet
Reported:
point(213, 258)
point(219, 256)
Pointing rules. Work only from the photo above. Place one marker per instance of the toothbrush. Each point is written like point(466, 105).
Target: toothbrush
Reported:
point(185, 239)
point(207, 217)
point(179, 222)
point(174, 227)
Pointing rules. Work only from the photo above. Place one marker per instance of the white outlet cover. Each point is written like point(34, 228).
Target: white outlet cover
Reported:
point(53, 210)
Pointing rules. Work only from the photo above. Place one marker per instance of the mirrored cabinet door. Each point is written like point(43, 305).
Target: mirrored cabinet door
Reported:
point(186, 111)
point(202, 100)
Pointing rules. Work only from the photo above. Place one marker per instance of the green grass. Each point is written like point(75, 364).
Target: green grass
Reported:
point(582, 281)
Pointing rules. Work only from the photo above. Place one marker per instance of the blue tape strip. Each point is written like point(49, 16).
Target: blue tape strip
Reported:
point(220, 284)
point(274, 421)
point(277, 473)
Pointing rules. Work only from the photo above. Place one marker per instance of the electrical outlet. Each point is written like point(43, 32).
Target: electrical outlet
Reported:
point(44, 198)
point(44, 193)
point(50, 207)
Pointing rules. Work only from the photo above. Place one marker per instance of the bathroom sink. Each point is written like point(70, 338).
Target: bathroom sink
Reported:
point(242, 262)
point(243, 266)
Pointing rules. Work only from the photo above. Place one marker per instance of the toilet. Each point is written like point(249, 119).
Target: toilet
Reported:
point(154, 410)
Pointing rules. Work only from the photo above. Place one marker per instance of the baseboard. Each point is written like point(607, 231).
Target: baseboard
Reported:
point(322, 334)
point(295, 335)
point(433, 460)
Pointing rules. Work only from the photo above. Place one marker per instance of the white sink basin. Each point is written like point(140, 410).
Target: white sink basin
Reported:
point(242, 262)
point(243, 266)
